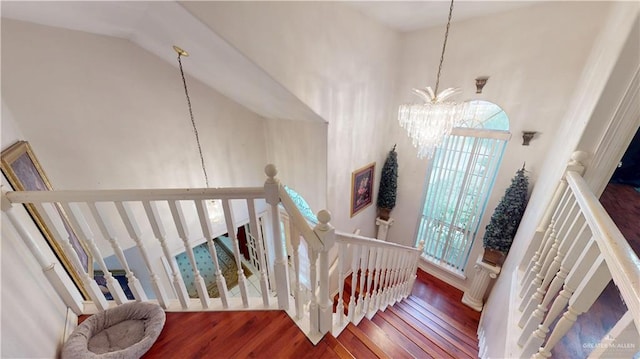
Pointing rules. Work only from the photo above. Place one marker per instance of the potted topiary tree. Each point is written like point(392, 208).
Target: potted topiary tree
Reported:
point(388, 185)
point(505, 220)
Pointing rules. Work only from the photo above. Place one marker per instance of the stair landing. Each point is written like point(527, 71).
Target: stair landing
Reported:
point(431, 323)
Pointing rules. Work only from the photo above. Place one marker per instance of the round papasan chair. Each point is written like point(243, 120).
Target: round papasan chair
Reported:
point(123, 332)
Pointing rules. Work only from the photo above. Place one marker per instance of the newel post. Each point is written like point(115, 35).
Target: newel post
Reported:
point(272, 193)
point(56, 275)
point(326, 234)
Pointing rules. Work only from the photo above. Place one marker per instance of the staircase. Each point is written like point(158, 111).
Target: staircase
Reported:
point(430, 323)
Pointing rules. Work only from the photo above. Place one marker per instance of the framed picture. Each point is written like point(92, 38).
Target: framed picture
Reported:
point(362, 188)
point(21, 167)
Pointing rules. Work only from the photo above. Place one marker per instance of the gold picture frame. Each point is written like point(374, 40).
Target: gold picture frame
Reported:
point(21, 167)
point(362, 181)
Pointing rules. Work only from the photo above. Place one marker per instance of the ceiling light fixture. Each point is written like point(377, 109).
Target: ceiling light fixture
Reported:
point(428, 123)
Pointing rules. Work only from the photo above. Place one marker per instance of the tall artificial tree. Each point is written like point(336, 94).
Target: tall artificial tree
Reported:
point(388, 185)
point(506, 218)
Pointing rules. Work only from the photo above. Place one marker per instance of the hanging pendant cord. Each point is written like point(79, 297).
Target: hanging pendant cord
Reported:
point(444, 46)
point(193, 123)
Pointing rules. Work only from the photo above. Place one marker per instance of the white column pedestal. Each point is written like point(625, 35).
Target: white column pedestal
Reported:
point(473, 297)
point(383, 228)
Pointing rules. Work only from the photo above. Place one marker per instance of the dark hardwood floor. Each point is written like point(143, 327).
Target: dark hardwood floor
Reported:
point(431, 323)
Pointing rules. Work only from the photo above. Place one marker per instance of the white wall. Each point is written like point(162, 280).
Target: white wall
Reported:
point(299, 151)
point(617, 22)
point(105, 108)
point(101, 113)
point(29, 306)
point(533, 67)
point(338, 62)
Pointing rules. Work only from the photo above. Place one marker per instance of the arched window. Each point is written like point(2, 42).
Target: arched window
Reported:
point(459, 182)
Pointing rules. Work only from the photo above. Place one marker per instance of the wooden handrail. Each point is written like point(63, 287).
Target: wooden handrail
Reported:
point(623, 263)
point(299, 220)
point(371, 242)
point(135, 195)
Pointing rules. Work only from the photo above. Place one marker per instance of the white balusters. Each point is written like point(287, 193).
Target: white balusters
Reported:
point(372, 307)
point(340, 305)
point(92, 287)
point(108, 232)
point(205, 224)
point(133, 229)
point(314, 315)
point(114, 287)
point(588, 291)
point(231, 231)
point(151, 209)
point(550, 251)
point(354, 277)
point(272, 193)
point(581, 241)
point(295, 256)
point(259, 244)
point(326, 235)
point(181, 227)
point(54, 273)
point(587, 257)
point(361, 274)
point(565, 239)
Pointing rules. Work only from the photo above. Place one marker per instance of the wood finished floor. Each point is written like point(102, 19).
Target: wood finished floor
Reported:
point(431, 323)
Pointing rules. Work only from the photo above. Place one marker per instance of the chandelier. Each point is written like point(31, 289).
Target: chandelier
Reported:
point(430, 122)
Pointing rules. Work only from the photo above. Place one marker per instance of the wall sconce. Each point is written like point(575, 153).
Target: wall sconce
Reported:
point(527, 136)
point(480, 82)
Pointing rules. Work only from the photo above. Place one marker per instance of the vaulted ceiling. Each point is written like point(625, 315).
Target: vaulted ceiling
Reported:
point(157, 25)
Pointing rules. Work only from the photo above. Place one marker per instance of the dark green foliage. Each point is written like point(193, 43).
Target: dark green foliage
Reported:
point(388, 181)
point(506, 218)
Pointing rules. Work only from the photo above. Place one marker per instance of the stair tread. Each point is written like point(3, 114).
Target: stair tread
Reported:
point(463, 326)
point(356, 346)
point(337, 347)
point(382, 340)
point(412, 325)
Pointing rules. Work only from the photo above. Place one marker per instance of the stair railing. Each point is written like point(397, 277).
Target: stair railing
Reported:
point(382, 274)
point(160, 223)
point(582, 250)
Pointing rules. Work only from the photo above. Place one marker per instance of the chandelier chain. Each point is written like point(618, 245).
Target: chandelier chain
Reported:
point(193, 123)
point(444, 46)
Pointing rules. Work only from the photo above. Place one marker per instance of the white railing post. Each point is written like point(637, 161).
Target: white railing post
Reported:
point(205, 224)
point(272, 194)
point(58, 278)
point(231, 231)
point(258, 241)
point(130, 223)
point(151, 209)
point(340, 305)
point(327, 236)
point(181, 227)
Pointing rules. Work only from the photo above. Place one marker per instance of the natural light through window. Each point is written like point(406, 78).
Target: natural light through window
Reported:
point(459, 182)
